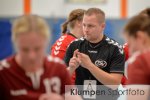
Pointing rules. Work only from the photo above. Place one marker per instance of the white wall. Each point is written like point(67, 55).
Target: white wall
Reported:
point(58, 8)
point(48, 7)
point(135, 6)
point(11, 8)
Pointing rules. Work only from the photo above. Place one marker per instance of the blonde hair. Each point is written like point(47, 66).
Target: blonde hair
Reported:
point(75, 15)
point(30, 23)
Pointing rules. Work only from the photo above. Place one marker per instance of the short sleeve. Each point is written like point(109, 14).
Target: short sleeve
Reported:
point(69, 53)
point(59, 49)
point(58, 53)
point(117, 61)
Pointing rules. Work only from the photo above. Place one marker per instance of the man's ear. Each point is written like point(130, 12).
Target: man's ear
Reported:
point(103, 25)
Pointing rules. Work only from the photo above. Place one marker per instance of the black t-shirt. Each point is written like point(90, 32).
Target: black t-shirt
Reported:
point(108, 55)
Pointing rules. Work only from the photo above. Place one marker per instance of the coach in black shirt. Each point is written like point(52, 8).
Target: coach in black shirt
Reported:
point(95, 58)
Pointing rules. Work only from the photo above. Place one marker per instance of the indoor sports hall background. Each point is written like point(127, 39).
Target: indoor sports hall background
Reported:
point(55, 12)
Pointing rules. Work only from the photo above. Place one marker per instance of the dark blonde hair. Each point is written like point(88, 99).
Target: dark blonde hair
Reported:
point(30, 23)
point(139, 22)
point(145, 12)
point(98, 12)
point(75, 15)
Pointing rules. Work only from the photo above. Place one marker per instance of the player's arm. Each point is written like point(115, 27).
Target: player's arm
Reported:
point(74, 62)
point(116, 69)
point(102, 76)
point(70, 58)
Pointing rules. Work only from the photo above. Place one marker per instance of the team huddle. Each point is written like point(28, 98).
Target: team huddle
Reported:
point(82, 55)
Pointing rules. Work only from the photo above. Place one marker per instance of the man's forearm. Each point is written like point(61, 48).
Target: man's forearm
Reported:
point(71, 70)
point(104, 77)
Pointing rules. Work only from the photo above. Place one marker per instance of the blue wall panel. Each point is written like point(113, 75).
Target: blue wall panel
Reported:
point(113, 29)
point(6, 47)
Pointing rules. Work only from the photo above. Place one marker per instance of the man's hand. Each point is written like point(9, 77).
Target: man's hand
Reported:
point(51, 96)
point(74, 61)
point(85, 61)
point(79, 59)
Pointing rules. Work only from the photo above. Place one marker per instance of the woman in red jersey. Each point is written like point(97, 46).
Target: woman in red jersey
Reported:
point(30, 74)
point(71, 29)
point(137, 33)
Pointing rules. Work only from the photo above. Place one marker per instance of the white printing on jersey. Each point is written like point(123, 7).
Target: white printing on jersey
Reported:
point(110, 41)
point(57, 47)
point(56, 52)
point(92, 51)
point(130, 60)
point(18, 92)
point(35, 78)
point(58, 60)
point(107, 39)
point(116, 43)
point(59, 43)
point(100, 63)
point(82, 38)
point(121, 51)
point(133, 57)
point(55, 82)
point(4, 64)
point(55, 59)
point(62, 38)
